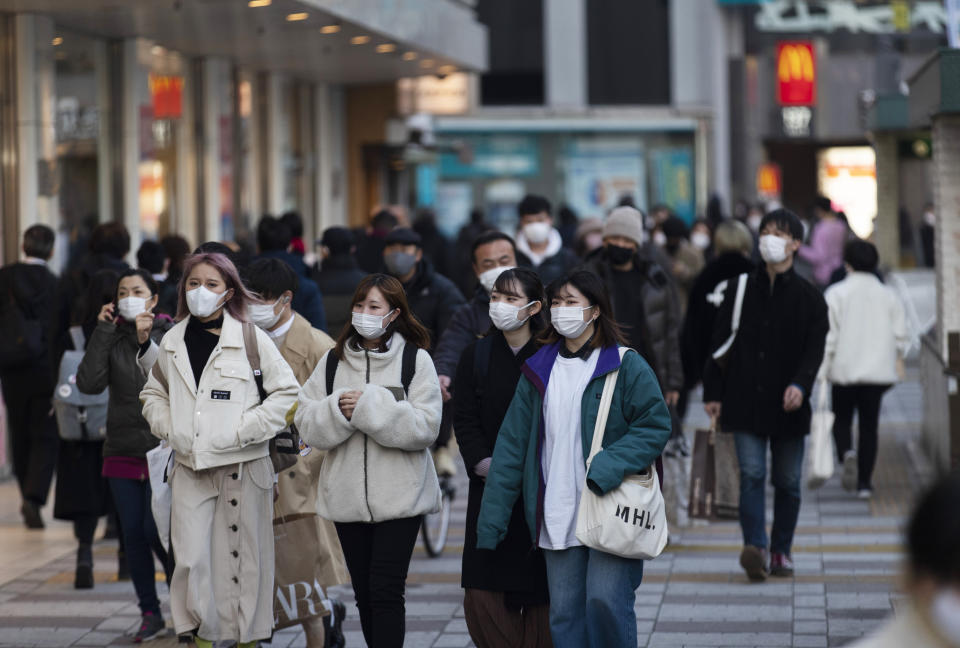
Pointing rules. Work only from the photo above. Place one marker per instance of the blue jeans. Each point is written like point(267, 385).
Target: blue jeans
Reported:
point(786, 471)
point(591, 598)
point(140, 538)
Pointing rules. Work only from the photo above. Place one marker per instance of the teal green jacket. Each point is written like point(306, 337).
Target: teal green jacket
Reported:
point(637, 429)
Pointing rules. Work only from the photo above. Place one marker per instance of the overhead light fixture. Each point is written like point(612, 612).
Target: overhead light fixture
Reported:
point(409, 56)
point(359, 40)
point(447, 69)
point(259, 3)
point(386, 48)
point(330, 29)
point(58, 41)
point(296, 17)
point(426, 63)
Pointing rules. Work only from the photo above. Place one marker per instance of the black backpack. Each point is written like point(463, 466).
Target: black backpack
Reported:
point(21, 336)
point(408, 366)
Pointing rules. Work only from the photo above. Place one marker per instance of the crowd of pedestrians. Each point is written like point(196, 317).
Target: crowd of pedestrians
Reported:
point(370, 361)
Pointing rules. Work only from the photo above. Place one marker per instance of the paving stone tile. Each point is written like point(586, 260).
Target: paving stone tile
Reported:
point(97, 639)
point(810, 627)
point(452, 641)
point(809, 641)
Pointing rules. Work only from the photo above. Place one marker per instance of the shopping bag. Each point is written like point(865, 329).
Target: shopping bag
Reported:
point(628, 521)
point(820, 457)
point(726, 470)
point(298, 594)
point(703, 475)
point(158, 461)
point(676, 482)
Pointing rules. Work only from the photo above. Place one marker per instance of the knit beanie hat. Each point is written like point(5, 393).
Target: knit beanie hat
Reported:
point(625, 221)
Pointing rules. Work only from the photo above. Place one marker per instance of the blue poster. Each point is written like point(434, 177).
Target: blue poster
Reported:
point(673, 181)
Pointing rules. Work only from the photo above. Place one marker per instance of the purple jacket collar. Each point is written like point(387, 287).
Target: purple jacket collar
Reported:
point(540, 365)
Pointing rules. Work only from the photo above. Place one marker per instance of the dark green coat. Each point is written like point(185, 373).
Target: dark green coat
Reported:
point(638, 427)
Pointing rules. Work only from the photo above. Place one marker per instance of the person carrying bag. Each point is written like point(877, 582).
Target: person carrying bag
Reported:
point(541, 452)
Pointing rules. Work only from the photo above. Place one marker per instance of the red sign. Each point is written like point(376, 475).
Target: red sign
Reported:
point(768, 180)
point(167, 94)
point(796, 74)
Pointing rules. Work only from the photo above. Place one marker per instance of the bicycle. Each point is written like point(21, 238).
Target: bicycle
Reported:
point(434, 526)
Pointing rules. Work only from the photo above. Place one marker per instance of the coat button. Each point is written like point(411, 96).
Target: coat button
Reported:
point(235, 553)
point(233, 527)
point(293, 474)
point(235, 476)
point(236, 580)
point(233, 502)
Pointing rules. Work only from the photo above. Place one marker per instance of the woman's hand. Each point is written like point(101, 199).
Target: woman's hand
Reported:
point(106, 313)
point(348, 403)
point(144, 323)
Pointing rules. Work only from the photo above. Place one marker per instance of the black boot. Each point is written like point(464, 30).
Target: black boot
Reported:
point(83, 578)
point(31, 515)
point(333, 626)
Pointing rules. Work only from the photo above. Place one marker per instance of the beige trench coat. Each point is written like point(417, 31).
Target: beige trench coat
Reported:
point(302, 349)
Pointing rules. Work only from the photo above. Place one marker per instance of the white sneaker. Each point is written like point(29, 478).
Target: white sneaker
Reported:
point(865, 493)
point(849, 477)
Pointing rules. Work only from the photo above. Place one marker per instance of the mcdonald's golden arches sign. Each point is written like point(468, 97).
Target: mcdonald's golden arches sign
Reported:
point(796, 74)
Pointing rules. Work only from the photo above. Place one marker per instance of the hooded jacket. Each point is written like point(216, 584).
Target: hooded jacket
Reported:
point(556, 262)
point(637, 430)
point(112, 360)
point(219, 421)
point(653, 320)
point(378, 465)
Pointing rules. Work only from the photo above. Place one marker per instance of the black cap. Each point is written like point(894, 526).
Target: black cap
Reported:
point(338, 240)
point(403, 236)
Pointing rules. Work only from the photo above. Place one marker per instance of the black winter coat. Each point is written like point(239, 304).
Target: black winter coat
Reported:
point(652, 320)
point(111, 361)
point(470, 322)
point(702, 307)
point(337, 279)
point(516, 565)
point(433, 299)
point(552, 268)
point(780, 343)
point(34, 290)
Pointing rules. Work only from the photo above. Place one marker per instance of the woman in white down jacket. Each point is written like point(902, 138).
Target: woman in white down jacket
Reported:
point(378, 477)
point(203, 399)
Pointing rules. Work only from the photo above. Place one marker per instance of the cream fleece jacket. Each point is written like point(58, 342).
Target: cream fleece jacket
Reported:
point(378, 464)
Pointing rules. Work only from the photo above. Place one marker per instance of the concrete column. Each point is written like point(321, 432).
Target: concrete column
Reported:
point(130, 140)
point(186, 175)
point(104, 147)
point(886, 227)
point(565, 53)
point(946, 192)
point(212, 71)
point(274, 145)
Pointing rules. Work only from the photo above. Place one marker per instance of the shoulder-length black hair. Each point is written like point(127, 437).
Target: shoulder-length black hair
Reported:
point(529, 284)
point(143, 274)
point(608, 332)
point(406, 323)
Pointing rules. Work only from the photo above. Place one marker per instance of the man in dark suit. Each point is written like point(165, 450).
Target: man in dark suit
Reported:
point(28, 289)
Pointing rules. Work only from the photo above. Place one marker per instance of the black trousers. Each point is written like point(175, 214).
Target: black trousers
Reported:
point(378, 556)
point(865, 400)
point(33, 437)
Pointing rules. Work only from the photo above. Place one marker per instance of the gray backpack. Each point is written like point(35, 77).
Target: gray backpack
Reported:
point(80, 417)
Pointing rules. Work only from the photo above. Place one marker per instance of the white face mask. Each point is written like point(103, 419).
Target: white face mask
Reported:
point(203, 302)
point(659, 238)
point(945, 615)
point(489, 277)
point(753, 222)
point(263, 315)
point(370, 327)
point(538, 232)
point(700, 240)
point(506, 317)
point(130, 307)
point(773, 249)
point(568, 320)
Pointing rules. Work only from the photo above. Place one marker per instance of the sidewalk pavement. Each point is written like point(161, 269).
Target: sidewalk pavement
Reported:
point(847, 554)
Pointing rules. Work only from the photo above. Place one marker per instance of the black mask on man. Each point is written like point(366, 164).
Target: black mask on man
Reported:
point(617, 255)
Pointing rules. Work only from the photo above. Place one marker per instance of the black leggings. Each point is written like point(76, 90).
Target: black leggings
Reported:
point(865, 399)
point(378, 556)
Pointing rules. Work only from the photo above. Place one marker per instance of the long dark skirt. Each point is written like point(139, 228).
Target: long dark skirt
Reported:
point(81, 489)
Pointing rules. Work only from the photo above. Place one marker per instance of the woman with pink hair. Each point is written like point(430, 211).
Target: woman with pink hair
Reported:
point(218, 414)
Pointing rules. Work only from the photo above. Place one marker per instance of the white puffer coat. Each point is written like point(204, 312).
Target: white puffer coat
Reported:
point(378, 466)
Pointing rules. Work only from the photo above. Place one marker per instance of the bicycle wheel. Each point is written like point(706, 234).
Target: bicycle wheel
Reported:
point(434, 527)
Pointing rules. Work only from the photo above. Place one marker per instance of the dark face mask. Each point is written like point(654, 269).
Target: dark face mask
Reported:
point(399, 263)
point(618, 256)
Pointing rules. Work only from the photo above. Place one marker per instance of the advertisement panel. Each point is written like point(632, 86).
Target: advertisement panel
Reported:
point(796, 74)
point(673, 181)
point(599, 172)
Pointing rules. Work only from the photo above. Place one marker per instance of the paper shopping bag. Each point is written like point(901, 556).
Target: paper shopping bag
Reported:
point(298, 593)
point(703, 476)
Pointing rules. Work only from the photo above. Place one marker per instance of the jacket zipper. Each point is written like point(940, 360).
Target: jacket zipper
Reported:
point(366, 487)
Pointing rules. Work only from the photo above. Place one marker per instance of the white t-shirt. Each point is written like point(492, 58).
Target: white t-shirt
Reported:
point(563, 462)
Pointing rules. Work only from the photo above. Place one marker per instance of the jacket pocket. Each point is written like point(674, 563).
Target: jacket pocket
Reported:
point(224, 402)
point(261, 473)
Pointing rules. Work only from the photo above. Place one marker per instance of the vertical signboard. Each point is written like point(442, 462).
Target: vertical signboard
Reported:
point(796, 74)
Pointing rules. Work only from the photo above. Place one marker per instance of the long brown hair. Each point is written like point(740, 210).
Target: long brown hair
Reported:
point(406, 323)
point(606, 332)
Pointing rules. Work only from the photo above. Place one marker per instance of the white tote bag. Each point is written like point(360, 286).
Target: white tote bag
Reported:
point(158, 459)
point(820, 456)
point(630, 521)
